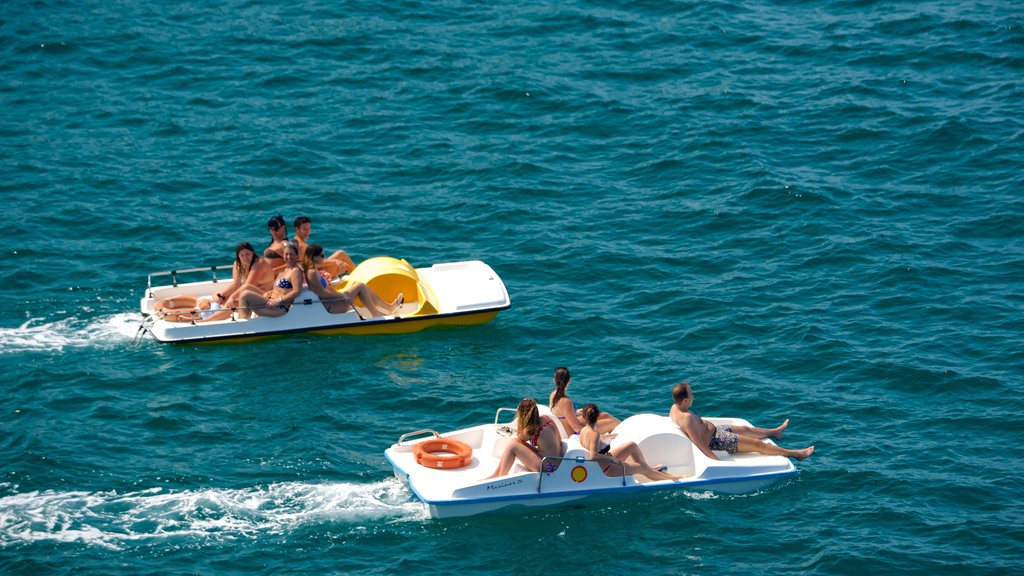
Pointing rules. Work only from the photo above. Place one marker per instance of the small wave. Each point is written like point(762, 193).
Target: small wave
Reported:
point(37, 335)
point(112, 520)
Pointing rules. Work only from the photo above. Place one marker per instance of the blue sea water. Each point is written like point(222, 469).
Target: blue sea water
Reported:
point(809, 210)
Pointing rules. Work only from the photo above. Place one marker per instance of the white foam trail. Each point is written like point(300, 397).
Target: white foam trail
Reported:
point(112, 520)
point(35, 335)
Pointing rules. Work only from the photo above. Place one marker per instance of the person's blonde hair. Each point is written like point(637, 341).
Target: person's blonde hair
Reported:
point(528, 417)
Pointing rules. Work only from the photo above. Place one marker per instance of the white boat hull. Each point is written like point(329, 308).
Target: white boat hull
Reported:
point(463, 492)
point(455, 293)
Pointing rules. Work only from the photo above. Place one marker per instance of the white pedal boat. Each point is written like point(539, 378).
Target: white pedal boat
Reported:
point(453, 293)
point(462, 492)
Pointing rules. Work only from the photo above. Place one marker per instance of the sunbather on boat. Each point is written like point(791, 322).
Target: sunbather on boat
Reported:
point(190, 309)
point(339, 301)
point(250, 272)
point(615, 461)
point(337, 264)
point(537, 438)
point(278, 300)
point(278, 237)
point(562, 407)
point(732, 439)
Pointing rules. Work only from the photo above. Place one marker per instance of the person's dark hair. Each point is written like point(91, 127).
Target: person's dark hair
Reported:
point(681, 392)
point(299, 221)
point(562, 378)
point(244, 267)
point(590, 413)
point(276, 222)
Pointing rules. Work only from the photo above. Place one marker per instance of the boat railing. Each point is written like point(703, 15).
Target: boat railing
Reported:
point(174, 275)
point(416, 433)
point(497, 414)
point(577, 459)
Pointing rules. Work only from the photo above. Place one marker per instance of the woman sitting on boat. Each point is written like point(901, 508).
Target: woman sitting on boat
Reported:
point(278, 300)
point(614, 460)
point(562, 407)
point(337, 302)
point(250, 272)
point(537, 438)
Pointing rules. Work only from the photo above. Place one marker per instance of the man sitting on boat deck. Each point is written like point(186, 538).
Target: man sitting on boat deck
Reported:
point(336, 264)
point(732, 439)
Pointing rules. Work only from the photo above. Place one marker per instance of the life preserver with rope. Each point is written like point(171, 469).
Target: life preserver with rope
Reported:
point(443, 453)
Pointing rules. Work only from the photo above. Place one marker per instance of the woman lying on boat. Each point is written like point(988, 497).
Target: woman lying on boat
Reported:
point(278, 300)
point(562, 407)
point(190, 309)
point(337, 302)
point(537, 438)
point(614, 461)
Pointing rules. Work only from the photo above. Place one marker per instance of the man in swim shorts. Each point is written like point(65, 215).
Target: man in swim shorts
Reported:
point(732, 439)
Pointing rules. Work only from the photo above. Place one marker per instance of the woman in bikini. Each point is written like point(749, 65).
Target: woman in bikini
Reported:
point(562, 407)
point(340, 301)
point(537, 438)
point(615, 461)
point(249, 272)
point(278, 300)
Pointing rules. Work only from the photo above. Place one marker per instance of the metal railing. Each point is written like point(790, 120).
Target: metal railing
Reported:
point(578, 459)
point(174, 275)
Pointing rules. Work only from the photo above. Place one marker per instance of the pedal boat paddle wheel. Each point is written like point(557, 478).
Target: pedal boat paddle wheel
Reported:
point(448, 294)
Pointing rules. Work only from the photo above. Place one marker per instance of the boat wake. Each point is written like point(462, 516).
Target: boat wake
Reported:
point(36, 335)
point(113, 520)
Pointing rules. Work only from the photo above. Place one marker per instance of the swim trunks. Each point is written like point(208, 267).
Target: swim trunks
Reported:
point(724, 439)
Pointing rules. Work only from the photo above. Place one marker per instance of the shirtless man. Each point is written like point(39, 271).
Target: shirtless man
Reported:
point(336, 264)
point(732, 439)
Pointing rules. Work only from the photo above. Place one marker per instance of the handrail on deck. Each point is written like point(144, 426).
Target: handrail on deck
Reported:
point(174, 275)
point(578, 459)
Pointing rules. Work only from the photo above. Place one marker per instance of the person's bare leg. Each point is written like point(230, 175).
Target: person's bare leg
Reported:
point(747, 444)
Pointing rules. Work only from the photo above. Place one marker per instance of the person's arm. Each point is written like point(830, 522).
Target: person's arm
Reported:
point(236, 283)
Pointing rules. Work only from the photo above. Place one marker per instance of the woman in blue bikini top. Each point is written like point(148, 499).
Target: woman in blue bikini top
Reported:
point(278, 300)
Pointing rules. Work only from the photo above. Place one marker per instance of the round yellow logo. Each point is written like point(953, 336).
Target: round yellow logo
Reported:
point(579, 474)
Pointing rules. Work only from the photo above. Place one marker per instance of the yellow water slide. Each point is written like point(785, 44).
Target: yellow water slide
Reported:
point(388, 277)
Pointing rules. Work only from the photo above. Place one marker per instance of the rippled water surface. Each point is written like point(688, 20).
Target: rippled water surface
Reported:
point(809, 210)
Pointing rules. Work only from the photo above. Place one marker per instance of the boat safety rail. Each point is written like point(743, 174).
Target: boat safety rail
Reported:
point(497, 414)
point(416, 433)
point(174, 275)
point(578, 460)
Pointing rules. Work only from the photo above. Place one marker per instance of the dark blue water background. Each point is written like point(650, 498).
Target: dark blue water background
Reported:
point(809, 210)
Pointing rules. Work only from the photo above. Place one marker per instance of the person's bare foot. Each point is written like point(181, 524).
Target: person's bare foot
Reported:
point(805, 453)
point(777, 433)
point(397, 304)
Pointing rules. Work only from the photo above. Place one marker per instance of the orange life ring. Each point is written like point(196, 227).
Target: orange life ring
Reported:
point(456, 454)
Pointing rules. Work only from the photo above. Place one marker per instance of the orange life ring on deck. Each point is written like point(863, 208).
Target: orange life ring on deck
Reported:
point(457, 454)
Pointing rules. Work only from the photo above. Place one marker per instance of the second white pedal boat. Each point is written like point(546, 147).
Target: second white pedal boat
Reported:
point(463, 492)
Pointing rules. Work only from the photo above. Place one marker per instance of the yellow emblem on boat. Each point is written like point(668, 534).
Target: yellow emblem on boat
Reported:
point(579, 474)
